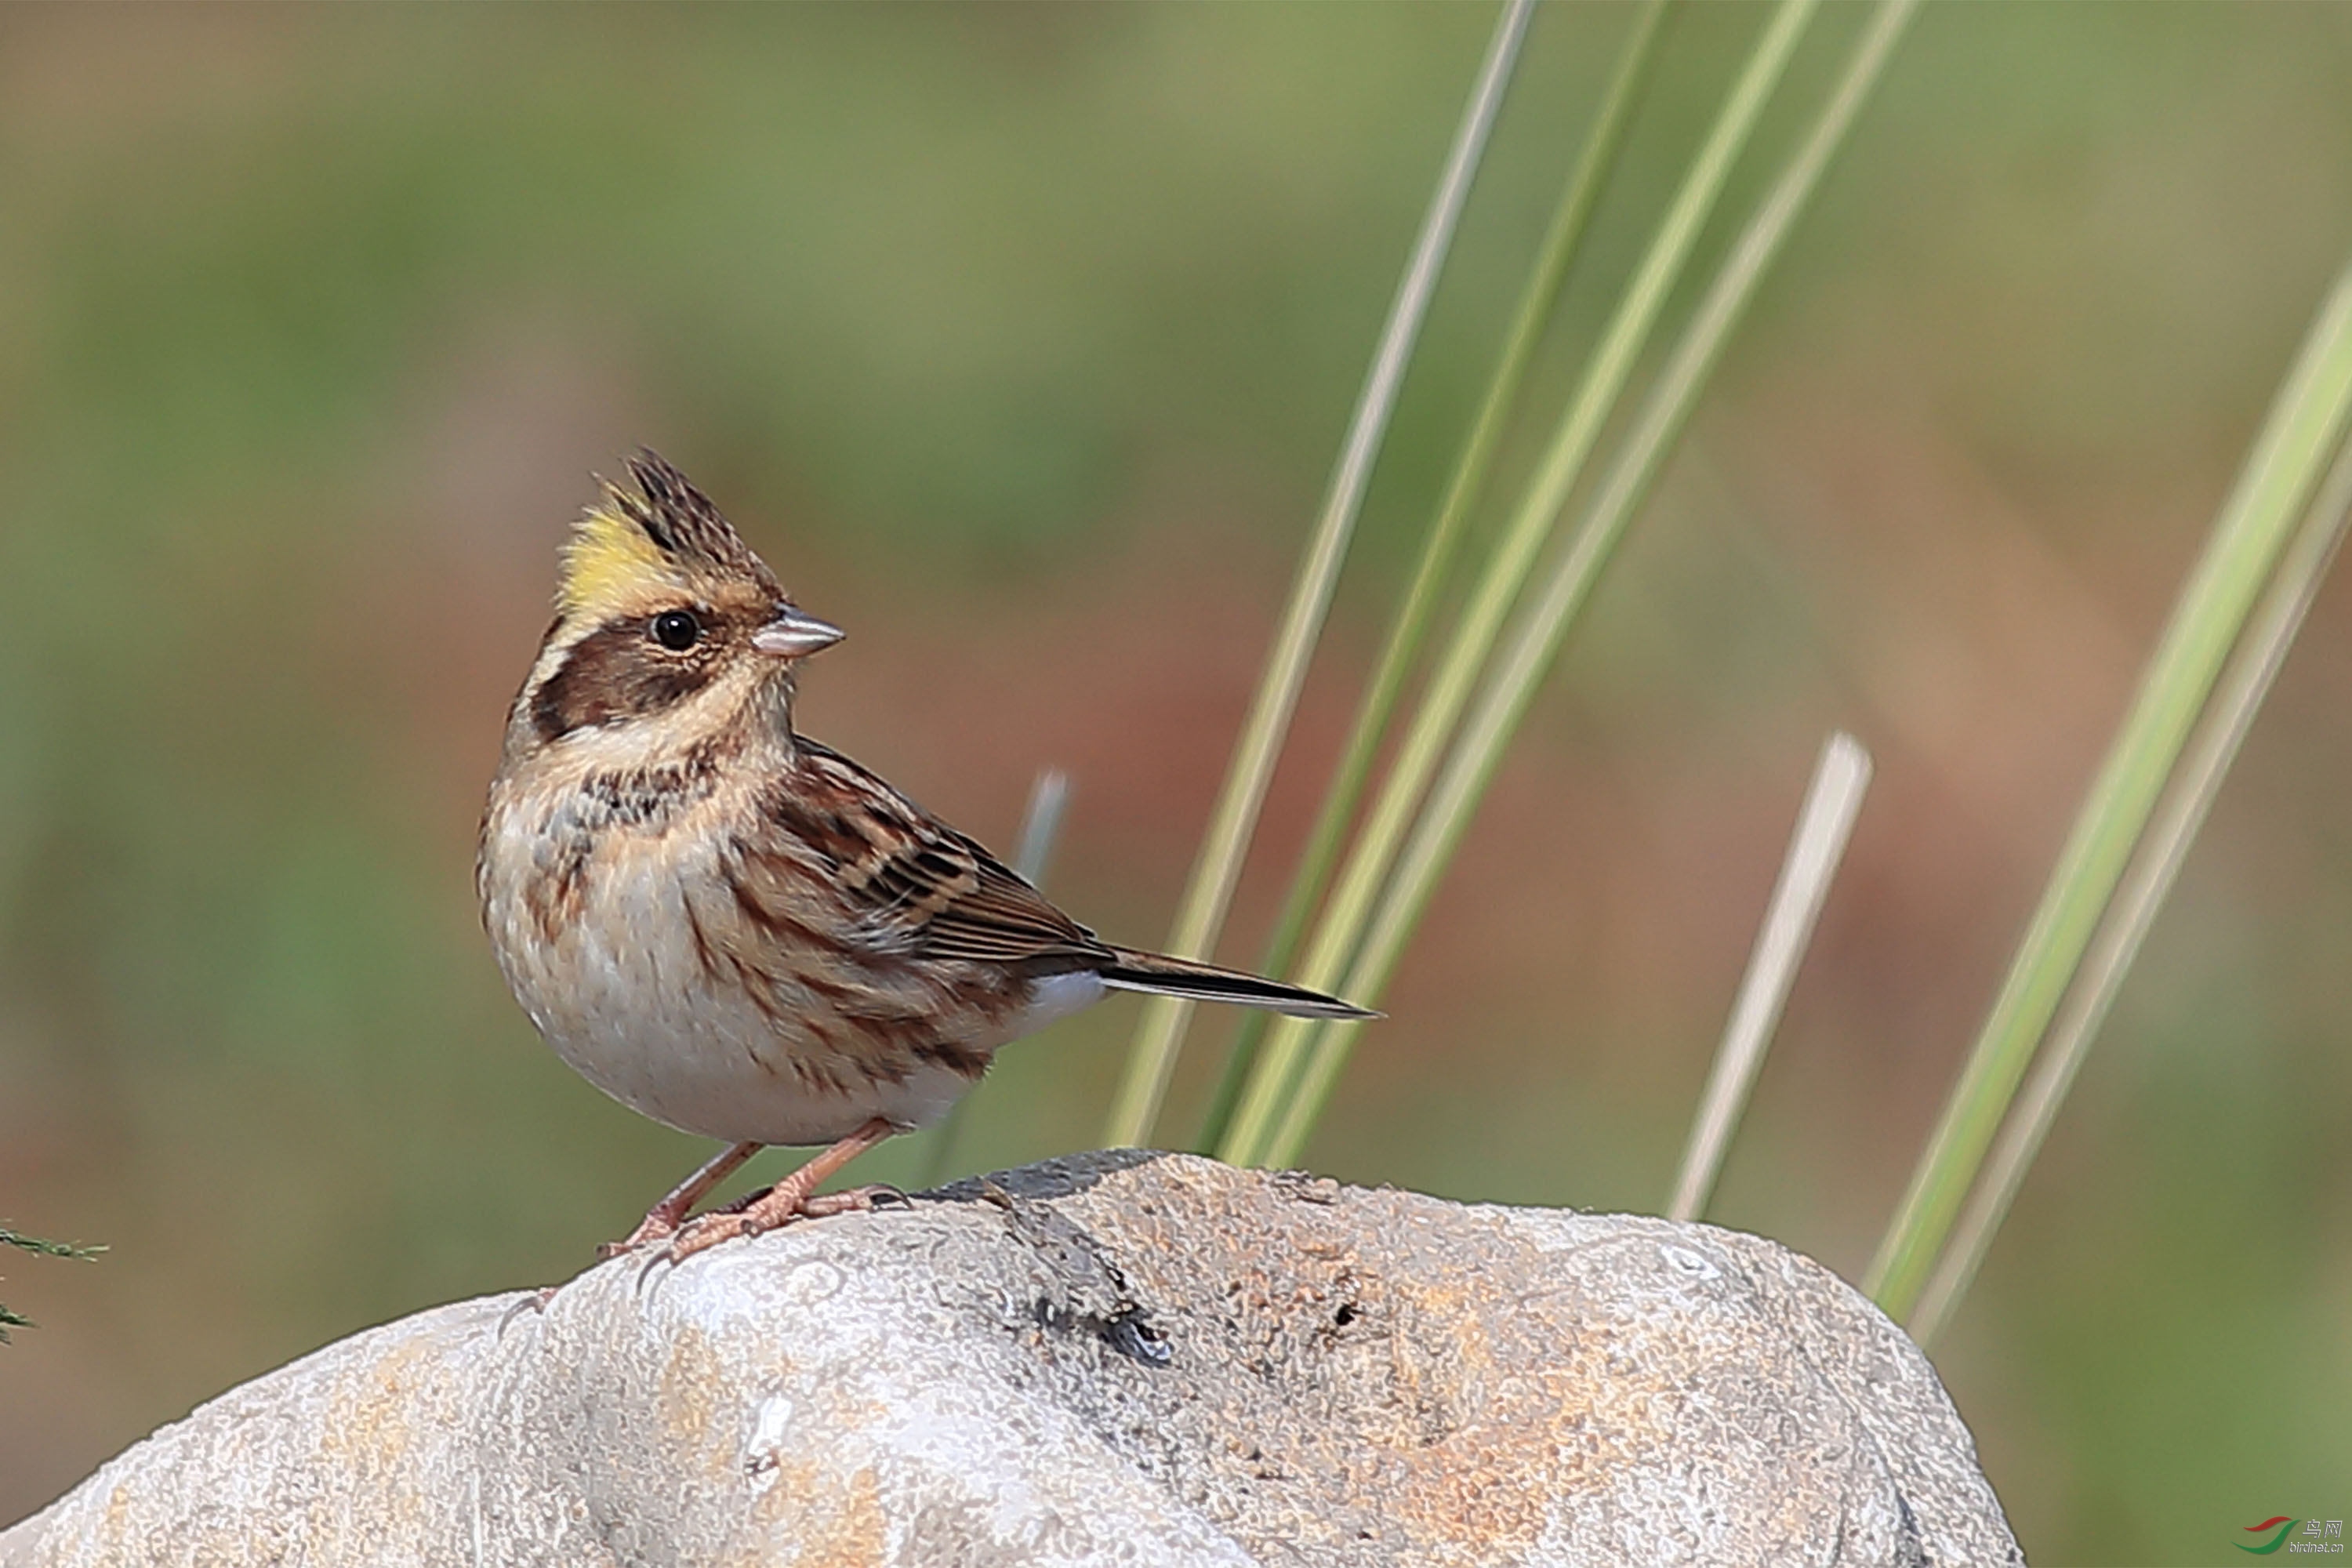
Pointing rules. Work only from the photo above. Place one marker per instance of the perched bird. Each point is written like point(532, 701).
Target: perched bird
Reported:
point(730, 928)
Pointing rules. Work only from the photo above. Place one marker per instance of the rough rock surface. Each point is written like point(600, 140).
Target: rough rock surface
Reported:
point(1120, 1358)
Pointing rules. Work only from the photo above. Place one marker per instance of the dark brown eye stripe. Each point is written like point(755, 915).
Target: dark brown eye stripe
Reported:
point(617, 672)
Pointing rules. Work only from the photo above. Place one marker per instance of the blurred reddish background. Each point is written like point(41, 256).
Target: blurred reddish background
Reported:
point(1021, 341)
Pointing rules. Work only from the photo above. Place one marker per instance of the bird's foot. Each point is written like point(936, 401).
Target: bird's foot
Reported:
point(792, 1198)
point(772, 1210)
point(662, 1221)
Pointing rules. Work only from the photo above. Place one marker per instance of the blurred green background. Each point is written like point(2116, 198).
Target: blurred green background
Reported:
point(1021, 340)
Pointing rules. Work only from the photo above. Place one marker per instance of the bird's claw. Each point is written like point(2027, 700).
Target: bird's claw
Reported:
point(878, 1195)
point(761, 1212)
point(535, 1301)
point(653, 1227)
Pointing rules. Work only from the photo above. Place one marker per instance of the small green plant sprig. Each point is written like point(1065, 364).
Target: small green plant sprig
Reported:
point(39, 1248)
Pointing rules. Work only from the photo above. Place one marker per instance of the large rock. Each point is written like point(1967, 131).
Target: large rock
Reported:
point(1120, 1358)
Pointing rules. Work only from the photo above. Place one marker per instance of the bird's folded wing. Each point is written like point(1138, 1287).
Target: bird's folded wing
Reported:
point(1003, 919)
point(920, 886)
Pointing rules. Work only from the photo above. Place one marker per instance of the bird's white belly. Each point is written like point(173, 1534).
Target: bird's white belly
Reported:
point(624, 999)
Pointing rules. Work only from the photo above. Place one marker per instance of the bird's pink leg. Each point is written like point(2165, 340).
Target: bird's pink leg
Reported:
point(787, 1201)
point(661, 1221)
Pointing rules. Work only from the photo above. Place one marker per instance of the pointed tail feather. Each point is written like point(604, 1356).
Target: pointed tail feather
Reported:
point(1165, 976)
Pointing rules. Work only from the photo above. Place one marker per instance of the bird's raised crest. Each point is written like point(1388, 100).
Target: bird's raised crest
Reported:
point(658, 531)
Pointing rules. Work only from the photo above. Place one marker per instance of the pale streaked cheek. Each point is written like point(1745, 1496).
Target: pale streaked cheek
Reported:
point(739, 705)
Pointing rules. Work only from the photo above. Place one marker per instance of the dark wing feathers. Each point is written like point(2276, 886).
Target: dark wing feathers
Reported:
point(918, 885)
point(1005, 921)
point(920, 888)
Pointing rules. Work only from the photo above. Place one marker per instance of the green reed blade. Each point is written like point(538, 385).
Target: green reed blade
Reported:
point(2237, 697)
point(2300, 433)
point(1369, 865)
point(1520, 667)
point(1462, 492)
point(1235, 821)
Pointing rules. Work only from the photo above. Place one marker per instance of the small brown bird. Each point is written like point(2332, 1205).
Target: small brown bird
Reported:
point(730, 928)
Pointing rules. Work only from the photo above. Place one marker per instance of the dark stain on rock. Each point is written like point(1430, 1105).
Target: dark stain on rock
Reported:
point(1089, 1294)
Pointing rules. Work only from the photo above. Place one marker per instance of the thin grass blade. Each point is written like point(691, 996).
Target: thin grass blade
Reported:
point(1235, 821)
point(1462, 492)
point(2246, 681)
point(1519, 668)
point(1832, 801)
point(2297, 440)
point(1450, 689)
point(1041, 828)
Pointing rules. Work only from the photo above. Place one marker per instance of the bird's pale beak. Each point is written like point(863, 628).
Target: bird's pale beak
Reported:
point(794, 633)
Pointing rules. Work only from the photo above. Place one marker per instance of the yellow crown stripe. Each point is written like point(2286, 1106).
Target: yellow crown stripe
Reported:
point(608, 561)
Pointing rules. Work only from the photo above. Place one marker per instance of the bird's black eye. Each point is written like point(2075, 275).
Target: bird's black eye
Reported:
point(676, 630)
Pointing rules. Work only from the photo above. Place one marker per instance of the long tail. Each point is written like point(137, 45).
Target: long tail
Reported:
point(1164, 976)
